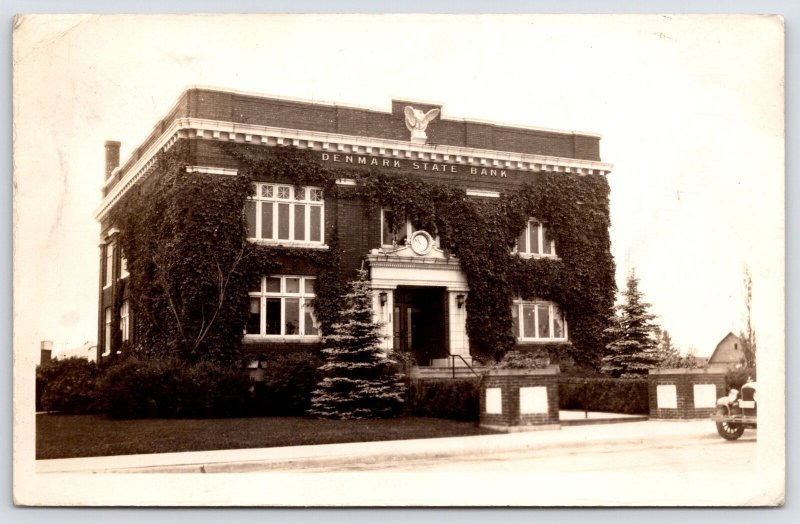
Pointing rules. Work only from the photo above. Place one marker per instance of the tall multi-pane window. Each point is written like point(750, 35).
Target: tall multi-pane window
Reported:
point(533, 240)
point(107, 337)
point(108, 267)
point(286, 214)
point(538, 321)
point(125, 320)
point(281, 306)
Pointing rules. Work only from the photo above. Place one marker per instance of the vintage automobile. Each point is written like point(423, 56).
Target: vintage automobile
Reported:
point(736, 412)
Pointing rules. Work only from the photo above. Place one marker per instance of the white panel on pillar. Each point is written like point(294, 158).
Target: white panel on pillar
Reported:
point(705, 395)
point(494, 401)
point(533, 400)
point(666, 396)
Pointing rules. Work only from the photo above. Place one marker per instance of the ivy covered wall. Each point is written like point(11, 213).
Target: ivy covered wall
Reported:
point(185, 239)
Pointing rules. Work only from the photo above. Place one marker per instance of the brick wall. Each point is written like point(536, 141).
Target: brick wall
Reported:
point(685, 402)
point(252, 109)
point(354, 227)
point(257, 110)
point(510, 382)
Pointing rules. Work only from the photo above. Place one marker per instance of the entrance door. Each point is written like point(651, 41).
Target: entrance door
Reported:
point(419, 326)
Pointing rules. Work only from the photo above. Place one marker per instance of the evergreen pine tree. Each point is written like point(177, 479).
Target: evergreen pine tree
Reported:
point(668, 354)
point(359, 378)
point(633, 349)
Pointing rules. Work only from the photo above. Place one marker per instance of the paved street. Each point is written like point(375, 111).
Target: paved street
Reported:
point(621, 447)
point(700, 453)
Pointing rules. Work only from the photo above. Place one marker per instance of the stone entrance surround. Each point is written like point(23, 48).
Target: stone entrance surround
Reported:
point(403, 267)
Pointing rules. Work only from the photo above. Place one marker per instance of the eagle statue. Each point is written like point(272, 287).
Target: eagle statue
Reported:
point(417, 122)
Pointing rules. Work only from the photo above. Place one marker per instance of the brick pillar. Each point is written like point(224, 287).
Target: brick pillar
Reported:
point(46, 352)
point(520, 399)
point(684, 393)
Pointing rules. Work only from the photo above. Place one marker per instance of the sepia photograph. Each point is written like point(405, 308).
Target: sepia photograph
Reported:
point(398, 260)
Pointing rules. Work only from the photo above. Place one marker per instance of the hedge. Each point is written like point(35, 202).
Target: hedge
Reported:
point(444, 398)
point(67, 386)
point(612, 395)
point(169, 388)
point(135, 388)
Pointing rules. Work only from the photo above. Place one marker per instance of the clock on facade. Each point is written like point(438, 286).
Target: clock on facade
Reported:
point(421, 242)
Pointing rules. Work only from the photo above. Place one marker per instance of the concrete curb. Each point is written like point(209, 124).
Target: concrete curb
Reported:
point(296, 458)
point(593, 421)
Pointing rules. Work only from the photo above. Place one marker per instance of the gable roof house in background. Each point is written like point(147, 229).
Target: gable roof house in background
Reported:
point(728, 353)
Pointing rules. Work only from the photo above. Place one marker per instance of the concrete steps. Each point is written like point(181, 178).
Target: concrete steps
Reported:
point(460, 372)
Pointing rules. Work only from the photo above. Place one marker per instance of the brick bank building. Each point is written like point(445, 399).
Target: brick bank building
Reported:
point(419, 291)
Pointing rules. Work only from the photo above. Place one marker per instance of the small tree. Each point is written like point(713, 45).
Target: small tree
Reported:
point(190, 264)
point(633, 349)
point(668, 354)
point(748, 335)
point(360, 380)
point(665, 345)
point(691, 360)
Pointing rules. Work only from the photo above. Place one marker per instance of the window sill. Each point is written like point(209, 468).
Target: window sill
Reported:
point(287, 243)
point(539, 341)
point(537, 256)
point(292, 339)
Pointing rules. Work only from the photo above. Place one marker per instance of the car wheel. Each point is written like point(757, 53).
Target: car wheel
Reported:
point(729, 430)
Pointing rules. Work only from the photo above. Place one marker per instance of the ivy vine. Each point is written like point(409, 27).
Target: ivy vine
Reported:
point(482, 234)
point(189, 262)
point(179, 229)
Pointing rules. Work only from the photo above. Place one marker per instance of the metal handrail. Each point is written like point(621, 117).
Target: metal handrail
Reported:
point(453, 365)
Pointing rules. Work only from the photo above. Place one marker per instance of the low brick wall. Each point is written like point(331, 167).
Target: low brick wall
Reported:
point(684, 393)
point(519, 399)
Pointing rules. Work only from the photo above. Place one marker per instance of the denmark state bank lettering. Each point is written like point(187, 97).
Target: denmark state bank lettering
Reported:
point(412, 165)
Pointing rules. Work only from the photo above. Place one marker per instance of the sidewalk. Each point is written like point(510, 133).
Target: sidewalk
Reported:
point(578, 417)
point(296, 458)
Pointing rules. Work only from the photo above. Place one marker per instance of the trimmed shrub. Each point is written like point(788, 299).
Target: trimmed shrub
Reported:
point(736, 378)
point(67, 386)
point(217, 391)
point(135, 388)
point(289, 379)
point(453, 399)
point(523, 360)
point(613, 395)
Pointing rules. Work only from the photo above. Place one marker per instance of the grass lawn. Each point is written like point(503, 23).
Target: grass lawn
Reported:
point(65, 436)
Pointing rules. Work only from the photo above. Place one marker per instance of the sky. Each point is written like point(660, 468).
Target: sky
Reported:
point(690, 111)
